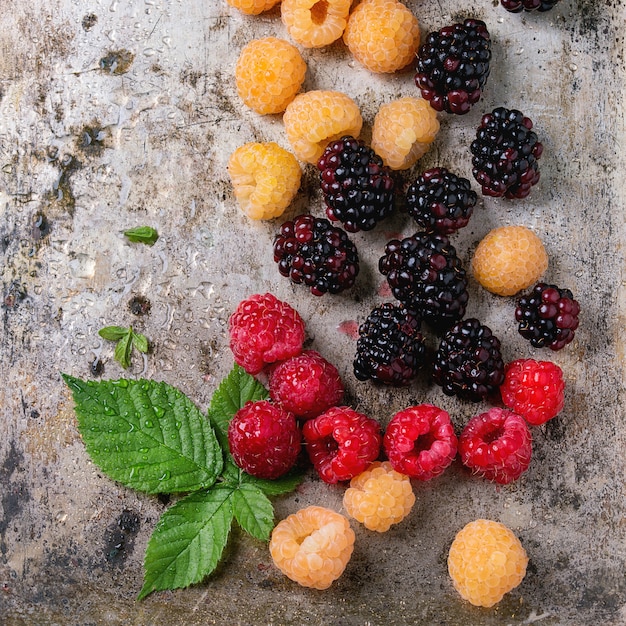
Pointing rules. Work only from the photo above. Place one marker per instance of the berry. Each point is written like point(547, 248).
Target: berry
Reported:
point(426, 275)
point(548, 316)
point(453, 66)
point(390, 348)
point(315, 23)
point(306, 385)
point(315, 118)
point(403, 131)
point(468, 363)
point(509, 259)
point(310, 250)
point(506, 153)
point(341, 443)
point(497, 445)
point(533, 389)
point(517, 6)
point(265, 179)
point(269, 74)
point(382, 35)
point(440, 201)
point(379, 497)
point(486, 560)
point(313, 546)
point(420, 441)
point(358, 188)
point(264, 439)
point(264, 330)
point(252, 7)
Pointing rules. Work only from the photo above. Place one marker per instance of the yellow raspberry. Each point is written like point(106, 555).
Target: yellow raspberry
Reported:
point(268, 74)
point(315, 118)
point(509, 259)
point(315, 23)
point(403, 131)
point(379, 497)
point(486, 560)
point(382, 35)
point(312, 546)
point(253, 7)
point(265, 179)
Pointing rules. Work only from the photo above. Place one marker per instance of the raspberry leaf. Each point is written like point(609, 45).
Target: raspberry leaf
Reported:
point(123, 349)
point(253, 511)
point(113, 333)
point(140, 342)
point(276, 487)
point(142, 234)
point(188, 541)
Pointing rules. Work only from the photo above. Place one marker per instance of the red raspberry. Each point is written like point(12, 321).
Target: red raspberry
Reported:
point(264, 330)
point(306, 385)
point(420, 441)
point(533, 389)
point(264, 439)
point(341, 443)
point(497, 445)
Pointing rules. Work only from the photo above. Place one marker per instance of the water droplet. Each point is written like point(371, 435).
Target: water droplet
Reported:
point(122, 382)
point(166, 476)
point(148, 424)
point(60, 517)
point(108, 410)
point(143, 450)
point(177, 424)
point(159, 411)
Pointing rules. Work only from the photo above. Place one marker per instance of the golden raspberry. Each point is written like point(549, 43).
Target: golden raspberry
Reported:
point(268, 74)
point(315, 118)
point(486, 560)
point(315, 23)
point(379, 497)
point(312, 546)
point(509, 259)
point(265, 179)
point(403, 131)
point(253, 7)
point(382, 35)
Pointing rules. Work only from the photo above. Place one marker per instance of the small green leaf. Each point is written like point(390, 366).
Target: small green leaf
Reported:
point(253, 511)
point(188, 541)
point(113, 333)
point(140, 342)
point(122, 350)
point(276, 487)
point(142, 234)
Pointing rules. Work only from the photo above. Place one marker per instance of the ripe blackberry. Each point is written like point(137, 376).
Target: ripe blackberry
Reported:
point(390, 348)
point(453, 66)
point(506, 152)
point(440, 201)
point(426, 275)
point(358, 188)
point(548, 316)
point(517, 6)
point(468, 363)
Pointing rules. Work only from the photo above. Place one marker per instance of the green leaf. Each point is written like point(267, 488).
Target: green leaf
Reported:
point(188, 541)
point(113, 333)
point(142, 234)
point(140, 342)
point(275, 487)
point(253, 511)
point(122, 350)
point(147, 435)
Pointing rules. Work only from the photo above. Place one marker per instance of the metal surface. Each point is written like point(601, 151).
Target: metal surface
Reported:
point(116, 114)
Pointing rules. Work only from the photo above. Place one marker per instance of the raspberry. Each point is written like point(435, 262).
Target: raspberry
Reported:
point(420, 441)
point(306, 385)
point(315, 23)
point(341, 443)
point(358, 188)
point(252, 7)
point(265, 179)
point(533, 389)
point(440, 201)
point(382, 35)
point(390, 348)
point(506, 153)
point(403, 131)
point(496, 445)
point(548, 316)
point(379, 497)
point(313, 546)
point(509, 259)
point(453, 66)
point(264, 330)
point(468, 363)
point(486, 561)
point(517, 6)
point(309, 250)
point(264, 439)
point(315, 118)
point(269, 74)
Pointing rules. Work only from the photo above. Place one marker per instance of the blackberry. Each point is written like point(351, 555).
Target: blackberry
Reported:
point(390, 348)
point(505, 152)
point(517, 6)
point(440, 201)
point(548, 316)
point(453, 66)
point(310, 250)
point(358, 188)
point(468, 363)
point(427, 277)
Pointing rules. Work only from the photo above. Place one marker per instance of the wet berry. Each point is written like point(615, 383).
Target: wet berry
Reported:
point(315, 23)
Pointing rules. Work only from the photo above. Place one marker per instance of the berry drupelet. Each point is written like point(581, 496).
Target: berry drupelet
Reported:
point(517, 6)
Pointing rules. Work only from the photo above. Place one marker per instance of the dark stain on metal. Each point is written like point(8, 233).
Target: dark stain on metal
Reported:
point(92, 139)
point(89, 21)
point(15, 493)
point(139, 305)
point(119, 537)
point(15, 293)
point(117, 61)
point(40, 227)
point(96, 367)
point(62, 195)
